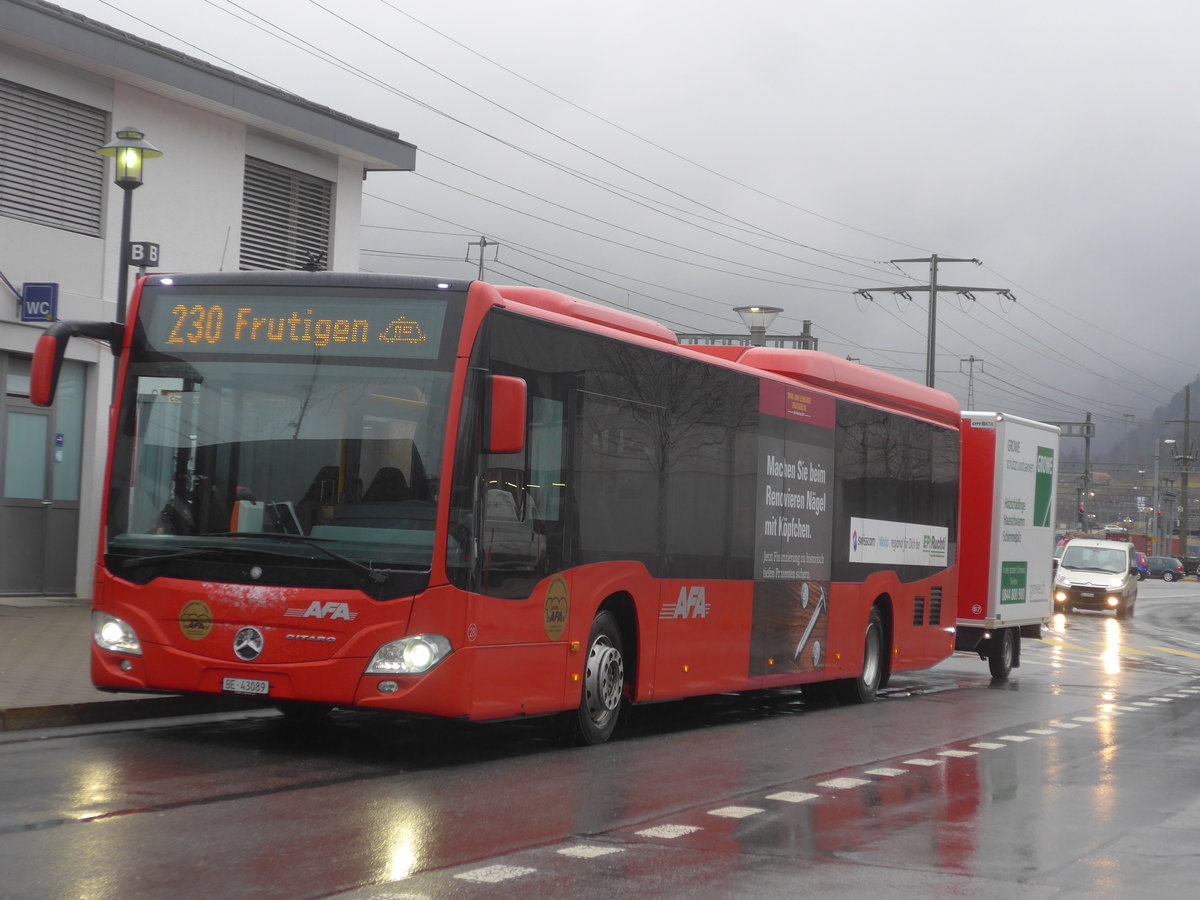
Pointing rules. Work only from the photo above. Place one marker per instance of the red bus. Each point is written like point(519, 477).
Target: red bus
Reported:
point(452, 498)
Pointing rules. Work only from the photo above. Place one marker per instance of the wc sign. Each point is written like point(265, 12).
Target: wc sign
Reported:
point(39, 302)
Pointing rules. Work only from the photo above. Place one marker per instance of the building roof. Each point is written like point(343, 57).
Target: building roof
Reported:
point(61, 34)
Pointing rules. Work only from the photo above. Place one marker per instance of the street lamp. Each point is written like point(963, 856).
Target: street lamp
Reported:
point(758, 319)
point(128, 151)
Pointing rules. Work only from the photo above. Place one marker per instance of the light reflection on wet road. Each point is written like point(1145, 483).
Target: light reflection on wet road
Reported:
point(1077, 777)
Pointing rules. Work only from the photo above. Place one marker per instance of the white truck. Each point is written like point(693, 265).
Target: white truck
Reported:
point(1009, 471)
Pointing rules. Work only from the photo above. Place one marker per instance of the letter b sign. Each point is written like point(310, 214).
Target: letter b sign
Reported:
point(142, 254)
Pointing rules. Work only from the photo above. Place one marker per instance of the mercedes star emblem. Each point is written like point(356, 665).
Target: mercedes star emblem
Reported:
point(248, 643)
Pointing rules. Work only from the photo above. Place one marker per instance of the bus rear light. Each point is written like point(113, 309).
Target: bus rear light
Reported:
point(409, 656)
point(110, 633)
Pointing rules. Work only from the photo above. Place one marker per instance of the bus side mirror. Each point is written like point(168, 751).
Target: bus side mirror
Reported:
point(52, 346)
point(506, 414)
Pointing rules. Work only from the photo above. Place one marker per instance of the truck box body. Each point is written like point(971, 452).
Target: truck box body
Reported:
point(1006, 527)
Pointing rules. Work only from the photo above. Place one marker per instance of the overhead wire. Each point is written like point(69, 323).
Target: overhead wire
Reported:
point(661, 148)
point(332, 60)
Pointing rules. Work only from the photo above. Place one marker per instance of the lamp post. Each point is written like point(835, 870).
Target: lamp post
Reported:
point(128, 151)
point(1158, 445)
point(758, 319)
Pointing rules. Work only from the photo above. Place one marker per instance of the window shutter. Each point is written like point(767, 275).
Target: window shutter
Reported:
point(50, 173)
point(285, 218)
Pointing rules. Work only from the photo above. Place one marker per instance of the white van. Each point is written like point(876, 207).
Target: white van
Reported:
point(1096, 574)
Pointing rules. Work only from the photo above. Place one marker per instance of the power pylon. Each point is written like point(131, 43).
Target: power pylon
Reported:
point(932, 289)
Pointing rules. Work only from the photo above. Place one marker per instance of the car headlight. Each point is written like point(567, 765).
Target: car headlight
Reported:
point(409, 656)
point(1116, 582)
point(111, 633)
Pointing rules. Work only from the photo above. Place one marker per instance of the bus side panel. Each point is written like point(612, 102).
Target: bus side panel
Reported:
point(519, 650)
point(923, 621)
point(528, 655)
point(912, 646)
point(704, 638)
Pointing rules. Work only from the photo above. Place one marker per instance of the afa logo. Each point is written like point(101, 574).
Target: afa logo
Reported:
point(403, 331)
point(691, 604)
point(319, 610)
point(854, 539)
point(556, 607)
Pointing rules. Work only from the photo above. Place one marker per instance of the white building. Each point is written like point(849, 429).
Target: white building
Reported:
point(251, 178)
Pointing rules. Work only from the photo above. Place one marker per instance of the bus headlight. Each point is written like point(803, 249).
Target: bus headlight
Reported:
point(409, 656)
point(110, 633)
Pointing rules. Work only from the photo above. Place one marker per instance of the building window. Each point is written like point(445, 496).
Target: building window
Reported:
point(285, 218)
point(50, 173)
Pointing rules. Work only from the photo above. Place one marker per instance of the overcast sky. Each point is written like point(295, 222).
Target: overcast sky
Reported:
point(683, 158)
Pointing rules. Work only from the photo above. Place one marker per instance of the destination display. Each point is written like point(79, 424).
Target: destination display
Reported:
point(389, 327)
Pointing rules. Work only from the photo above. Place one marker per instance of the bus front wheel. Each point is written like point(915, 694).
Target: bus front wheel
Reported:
point(863, 688)
point(603, 681)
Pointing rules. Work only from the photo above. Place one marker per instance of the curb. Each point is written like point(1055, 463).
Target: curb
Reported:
point(92, 713)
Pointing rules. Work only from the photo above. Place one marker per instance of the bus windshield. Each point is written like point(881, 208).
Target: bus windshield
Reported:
point(324, 461)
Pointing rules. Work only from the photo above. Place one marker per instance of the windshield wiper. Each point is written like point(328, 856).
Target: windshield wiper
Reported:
point(134, 561)
point(379, 576)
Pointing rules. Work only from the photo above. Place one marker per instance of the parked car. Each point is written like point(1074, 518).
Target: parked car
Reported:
point(1143, 565)
point(1168, 568)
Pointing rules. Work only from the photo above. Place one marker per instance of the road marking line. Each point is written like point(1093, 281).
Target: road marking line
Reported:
point(494, 874)
point(1064, 724)
point(1057, 642)
point(924, 762)
point(670, 832)
point(885, 772)
point(957, 754)
point(988, 745)
point(735, 812)
point(792, 796)
point(840, 783)
point(1086, 718)
point(1015, 737)
point(1042, 731)
point(589, 851)
point(1186, 653)
point(1143, 703)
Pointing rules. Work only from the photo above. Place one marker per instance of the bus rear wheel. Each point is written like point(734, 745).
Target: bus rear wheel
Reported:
point(863, 688)
point(603, 682)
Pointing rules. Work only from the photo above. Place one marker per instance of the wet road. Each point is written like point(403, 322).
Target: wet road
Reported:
point(1078, 777)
